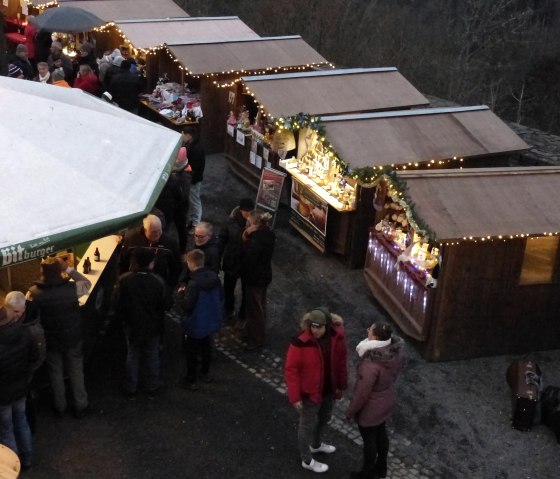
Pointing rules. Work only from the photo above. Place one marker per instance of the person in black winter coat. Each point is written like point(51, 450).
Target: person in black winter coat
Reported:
point(22, 61)
point(125, 88)
point(150, 235)
point(201, 302)
point(197, 161)
point(256, 274)
point(17, 355)
point(230, 236)
point(86, 56)
point(140, 300)
point(57, 300)
point(210, 245)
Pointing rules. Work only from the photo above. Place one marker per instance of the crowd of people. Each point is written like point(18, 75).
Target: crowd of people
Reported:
point(116, 76)
point(157, 271)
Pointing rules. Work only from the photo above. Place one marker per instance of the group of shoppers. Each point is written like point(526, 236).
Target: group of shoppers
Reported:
point(117, 74)
point(316, 375)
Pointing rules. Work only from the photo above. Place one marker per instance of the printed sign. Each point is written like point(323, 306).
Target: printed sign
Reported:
point(309, 214)
point(252, 157)
point(231, 97)
point(258, 161)
point(240, 138)
point(231, 130)
point(270, 189)
point(266, 151)
point(19, 253)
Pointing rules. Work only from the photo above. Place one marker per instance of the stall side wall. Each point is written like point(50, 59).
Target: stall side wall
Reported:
point(482, 310)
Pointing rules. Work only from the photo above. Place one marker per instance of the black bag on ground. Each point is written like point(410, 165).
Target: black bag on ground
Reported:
point(550, 409)
point(524, 379)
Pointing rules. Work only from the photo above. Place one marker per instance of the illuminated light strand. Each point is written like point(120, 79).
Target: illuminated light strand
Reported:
point(500, 238)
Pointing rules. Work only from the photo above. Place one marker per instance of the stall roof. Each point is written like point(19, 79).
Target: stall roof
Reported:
point(67, 169)
point(487, 201)
point(401, 137)
point(113, 10)
point(244, 54)
point(151, 33)
point(335, 91)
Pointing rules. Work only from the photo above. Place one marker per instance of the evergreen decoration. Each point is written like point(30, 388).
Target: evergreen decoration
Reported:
point(369, 175)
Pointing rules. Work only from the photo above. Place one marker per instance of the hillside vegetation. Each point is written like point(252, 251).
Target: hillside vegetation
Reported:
point(503, 53)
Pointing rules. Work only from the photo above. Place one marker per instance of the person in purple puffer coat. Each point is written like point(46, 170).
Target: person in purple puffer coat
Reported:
point(380, 361)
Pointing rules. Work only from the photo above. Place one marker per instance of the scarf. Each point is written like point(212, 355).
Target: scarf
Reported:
point(44, 79)
point(368, 344)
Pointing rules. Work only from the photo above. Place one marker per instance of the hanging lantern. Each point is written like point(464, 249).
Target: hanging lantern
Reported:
point(283, 140)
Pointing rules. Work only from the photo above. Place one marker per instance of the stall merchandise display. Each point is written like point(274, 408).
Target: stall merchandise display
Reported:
point(168, 100)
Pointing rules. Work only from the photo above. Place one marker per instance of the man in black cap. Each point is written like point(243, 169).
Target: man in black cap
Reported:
point(139, 299)
point(57, 299)
point(230, 237)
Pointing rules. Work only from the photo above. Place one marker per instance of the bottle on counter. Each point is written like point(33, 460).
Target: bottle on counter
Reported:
point(97, 255)
point(87, 266)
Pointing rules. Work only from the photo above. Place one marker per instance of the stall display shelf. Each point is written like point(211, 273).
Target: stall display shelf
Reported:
point(290, 167)
point(107, 247)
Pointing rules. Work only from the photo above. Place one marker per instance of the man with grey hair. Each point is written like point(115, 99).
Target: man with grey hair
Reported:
point(167, 262)
point(21, 60)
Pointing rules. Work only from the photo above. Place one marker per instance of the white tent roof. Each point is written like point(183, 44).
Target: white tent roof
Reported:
point(73, 166)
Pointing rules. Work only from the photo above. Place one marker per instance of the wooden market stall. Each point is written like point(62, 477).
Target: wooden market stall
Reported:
point(493, 234)
point(333, 171)
point(217, 67)
point(113, 10)
point(322, 92)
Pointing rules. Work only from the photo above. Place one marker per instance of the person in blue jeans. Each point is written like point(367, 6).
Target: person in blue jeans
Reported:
point(140, 301)
point(17, 355)
point(197, 161)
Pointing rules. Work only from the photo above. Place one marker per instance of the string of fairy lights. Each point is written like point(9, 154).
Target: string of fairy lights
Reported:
point(397, 187)
point(367, 176)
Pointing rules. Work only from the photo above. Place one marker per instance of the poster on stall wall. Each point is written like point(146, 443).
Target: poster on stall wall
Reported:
point(231, 98)
point(24, 10)
point(231, 130)
point(266, 151)
point(258, 161)
point(252, 157)
point(6, 2)
point(240, 138)
point(309, 214)
point(270, 190)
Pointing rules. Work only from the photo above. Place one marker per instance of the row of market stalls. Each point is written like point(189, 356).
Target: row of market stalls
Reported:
point(460, 248)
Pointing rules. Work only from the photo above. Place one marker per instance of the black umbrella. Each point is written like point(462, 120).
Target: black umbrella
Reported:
point(67, 19)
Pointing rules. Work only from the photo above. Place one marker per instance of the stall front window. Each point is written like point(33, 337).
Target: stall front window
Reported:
point(539, 260)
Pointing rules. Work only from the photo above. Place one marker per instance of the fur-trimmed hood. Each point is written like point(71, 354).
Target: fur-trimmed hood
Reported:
point(384, 353)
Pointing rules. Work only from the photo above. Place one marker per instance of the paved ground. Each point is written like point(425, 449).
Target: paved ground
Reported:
point(452, 419)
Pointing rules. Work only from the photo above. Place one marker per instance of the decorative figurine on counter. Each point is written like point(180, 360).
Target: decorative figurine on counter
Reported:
point(231, 119)
point(257, 124)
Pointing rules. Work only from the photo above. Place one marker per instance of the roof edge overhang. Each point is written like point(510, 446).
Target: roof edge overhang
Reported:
point(404, 113)
point(234, 40)
point(323, 73)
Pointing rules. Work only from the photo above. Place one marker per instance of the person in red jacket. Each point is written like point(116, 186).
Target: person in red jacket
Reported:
point(379, 364)
point(87, 80)
point(316, 375)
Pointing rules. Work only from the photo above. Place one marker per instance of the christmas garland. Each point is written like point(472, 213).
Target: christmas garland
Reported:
point(369, 175)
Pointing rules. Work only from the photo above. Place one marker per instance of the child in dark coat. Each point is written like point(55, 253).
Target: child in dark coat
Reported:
point(201, 301)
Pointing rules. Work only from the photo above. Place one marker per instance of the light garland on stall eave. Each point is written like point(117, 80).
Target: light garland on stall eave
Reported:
point(42, 6)
point(127, 42)
point(242, 73)
point(499, 238)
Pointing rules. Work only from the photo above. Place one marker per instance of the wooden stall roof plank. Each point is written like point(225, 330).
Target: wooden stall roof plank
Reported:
point(335, 91)
point(248, 54)
point(155, 32)
point(112, 10)
point(380, 139)
point(487, 201)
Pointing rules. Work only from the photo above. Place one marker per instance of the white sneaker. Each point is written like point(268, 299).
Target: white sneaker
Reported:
point(325, 448)
point(315, 466)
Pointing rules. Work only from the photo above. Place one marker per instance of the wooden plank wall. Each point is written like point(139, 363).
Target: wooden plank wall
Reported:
point(483, 311)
